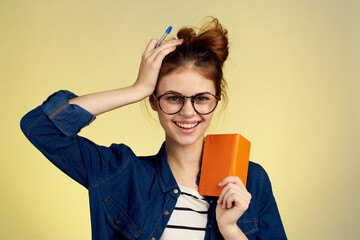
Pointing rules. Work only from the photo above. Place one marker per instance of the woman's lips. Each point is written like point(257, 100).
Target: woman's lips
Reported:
point(186, 125)
point(186, 128)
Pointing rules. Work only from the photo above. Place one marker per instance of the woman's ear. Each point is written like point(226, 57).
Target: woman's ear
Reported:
point(153, 102)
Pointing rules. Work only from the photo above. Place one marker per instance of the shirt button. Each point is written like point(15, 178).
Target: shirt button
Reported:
point(209, 226)
point(117, 222)
point(176, 191)
point(152, 238)
point(211, 201)
point(166, 213)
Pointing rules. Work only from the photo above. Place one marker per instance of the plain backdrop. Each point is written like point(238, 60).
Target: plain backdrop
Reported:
point(294, 87)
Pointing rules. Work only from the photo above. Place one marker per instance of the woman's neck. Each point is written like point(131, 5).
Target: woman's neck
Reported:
point(184, 161)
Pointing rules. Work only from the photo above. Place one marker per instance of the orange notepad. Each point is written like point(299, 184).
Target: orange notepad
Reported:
point(224, 155)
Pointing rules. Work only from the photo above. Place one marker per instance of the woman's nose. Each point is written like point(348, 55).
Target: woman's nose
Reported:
point(188, 108)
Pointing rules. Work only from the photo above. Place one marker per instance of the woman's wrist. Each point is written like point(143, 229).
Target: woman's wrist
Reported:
point(232, 232)
point(142, 90)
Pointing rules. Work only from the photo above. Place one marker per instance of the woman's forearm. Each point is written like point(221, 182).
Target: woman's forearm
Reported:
point(101, 102)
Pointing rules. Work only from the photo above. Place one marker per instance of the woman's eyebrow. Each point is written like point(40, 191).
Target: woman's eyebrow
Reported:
point(203, 93)
point(172, 91)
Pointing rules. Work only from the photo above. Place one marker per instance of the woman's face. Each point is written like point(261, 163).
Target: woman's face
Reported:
point(187, 126)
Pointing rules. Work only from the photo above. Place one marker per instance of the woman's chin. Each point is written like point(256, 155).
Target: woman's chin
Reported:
point(185, 140)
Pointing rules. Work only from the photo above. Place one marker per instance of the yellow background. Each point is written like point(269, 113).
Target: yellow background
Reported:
point(293, 75)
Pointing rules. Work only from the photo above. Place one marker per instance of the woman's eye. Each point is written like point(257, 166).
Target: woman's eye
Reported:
point(173, 98)
point(201, 98)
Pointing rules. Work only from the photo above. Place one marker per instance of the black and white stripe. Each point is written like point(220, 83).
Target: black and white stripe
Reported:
point(189, 217)
point(189, 209)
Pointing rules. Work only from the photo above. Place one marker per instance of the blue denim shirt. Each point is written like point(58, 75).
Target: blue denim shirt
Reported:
point(129, 194)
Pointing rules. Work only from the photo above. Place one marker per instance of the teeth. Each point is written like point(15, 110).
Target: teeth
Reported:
point(186, 125)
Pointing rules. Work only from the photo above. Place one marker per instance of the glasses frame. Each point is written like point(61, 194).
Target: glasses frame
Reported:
point(183, 101)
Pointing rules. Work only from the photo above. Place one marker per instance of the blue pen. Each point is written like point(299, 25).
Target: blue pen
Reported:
point(162, 39)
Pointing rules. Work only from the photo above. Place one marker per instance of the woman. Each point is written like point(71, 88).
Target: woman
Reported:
point(156, 197)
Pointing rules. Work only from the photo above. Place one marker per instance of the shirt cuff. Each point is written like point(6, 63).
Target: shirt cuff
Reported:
point(68, 118)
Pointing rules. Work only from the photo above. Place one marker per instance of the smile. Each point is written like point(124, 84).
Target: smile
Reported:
point(186, 125)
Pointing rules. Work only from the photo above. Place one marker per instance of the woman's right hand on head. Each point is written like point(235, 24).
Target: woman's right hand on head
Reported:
point(151, 62)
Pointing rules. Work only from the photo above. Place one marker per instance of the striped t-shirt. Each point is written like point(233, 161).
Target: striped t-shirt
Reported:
point(189, 218)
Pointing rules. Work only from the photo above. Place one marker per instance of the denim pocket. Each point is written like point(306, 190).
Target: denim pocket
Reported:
point(248, 226)
point(119, 220)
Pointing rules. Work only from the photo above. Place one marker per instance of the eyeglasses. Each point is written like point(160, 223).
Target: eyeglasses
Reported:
point(172, 103)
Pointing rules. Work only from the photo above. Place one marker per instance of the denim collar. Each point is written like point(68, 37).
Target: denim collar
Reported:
point(167, 180)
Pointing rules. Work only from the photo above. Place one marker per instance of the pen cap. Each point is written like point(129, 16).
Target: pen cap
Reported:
point(169, 30)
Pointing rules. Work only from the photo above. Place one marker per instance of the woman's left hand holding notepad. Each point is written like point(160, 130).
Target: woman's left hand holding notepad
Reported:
point(233, 201)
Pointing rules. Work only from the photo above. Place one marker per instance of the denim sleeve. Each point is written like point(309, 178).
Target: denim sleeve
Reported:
point(69, 119)
point(52, 128)
point(270, 224)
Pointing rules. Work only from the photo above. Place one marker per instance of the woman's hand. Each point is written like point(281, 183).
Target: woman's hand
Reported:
point(151, 61)
point(233, 201)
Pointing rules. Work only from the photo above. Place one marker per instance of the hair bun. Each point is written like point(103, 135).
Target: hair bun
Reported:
point(187, 34)
point(211, 35)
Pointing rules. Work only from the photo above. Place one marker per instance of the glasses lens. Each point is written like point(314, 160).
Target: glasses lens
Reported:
point(205, 103)
point(171, 103)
